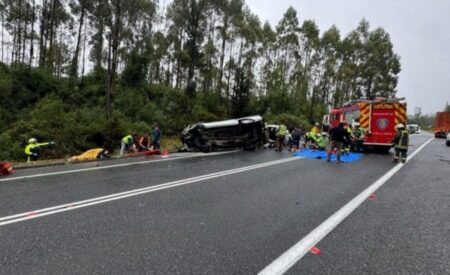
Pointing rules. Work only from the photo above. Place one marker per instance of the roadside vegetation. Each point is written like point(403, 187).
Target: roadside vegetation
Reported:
point(84, 73)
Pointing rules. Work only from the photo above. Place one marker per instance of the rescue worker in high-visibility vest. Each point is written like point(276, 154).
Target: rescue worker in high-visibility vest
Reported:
point(127, 143)
point(358, 135)
point(281, 135)
point(33, 151)
point(323, 141)
point(312, 135)
point(347, 144)
point(401, 142)
point(316, 129)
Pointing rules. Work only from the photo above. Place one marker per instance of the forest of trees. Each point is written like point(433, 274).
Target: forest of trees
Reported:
point(86, 72)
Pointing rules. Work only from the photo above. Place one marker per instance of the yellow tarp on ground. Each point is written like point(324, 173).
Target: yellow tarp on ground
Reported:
point(88, 155)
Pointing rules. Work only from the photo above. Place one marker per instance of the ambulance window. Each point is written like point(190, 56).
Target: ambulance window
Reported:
point(352, 116)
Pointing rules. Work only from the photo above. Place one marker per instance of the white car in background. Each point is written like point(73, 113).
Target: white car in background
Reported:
point(414, 129)
point(448, 140)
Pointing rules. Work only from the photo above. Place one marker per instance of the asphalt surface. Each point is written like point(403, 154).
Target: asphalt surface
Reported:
point(231, 224)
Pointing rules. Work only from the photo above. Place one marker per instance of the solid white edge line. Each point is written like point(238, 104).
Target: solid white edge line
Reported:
point(75, 205)
point(296, 252)
point(226, 172)
point(111, 166)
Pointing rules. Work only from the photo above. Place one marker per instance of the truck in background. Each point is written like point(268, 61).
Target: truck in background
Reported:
point(442, 125)
point(377, 117)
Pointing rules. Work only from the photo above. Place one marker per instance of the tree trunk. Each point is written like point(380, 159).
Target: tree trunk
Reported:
point(24, 40)
point(108, 84)
point(74, 67)
point(42, 34)
point(229, 73)
point(32, 35)
point(51, 34)
point(19, 34)
point(114, 53)
point(3, 41)
point(84, 52)
point(222, 56)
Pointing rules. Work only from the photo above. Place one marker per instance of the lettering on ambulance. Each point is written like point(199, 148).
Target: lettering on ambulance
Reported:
point(383, 106)
point(382, 133)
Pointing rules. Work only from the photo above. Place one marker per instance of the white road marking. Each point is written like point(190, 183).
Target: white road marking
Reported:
point(296, 252)
point(99, 200)
point(111, 166)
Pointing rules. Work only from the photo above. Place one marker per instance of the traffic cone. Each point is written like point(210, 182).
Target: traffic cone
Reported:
point(315, 250)
point(165, 154)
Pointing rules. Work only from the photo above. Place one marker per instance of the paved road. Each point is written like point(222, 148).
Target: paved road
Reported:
point(232, 213)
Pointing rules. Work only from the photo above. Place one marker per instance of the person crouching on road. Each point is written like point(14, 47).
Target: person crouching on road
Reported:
point(144, 143)
point(33, 150)
point(296, 138)
point(323, 142)
point(401, 142)
point(281, 135)
point(337, 136)
point(127, 143)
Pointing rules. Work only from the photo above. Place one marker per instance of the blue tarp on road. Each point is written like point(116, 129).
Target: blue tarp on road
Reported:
point(315, 154)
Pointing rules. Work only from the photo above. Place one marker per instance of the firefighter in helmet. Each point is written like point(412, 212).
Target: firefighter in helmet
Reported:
point(401, 142)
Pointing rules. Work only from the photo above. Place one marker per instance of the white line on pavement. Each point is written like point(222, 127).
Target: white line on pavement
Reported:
point(85, 203)
point(296, 252)
point(111, 166)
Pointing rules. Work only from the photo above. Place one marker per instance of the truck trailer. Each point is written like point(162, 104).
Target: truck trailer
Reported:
point(442, 124)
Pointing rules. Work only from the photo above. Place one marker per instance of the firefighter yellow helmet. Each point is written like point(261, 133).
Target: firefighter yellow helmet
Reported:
point(32, 140)
point(399, 126)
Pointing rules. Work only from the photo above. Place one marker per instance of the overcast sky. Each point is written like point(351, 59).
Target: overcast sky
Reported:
point(419, 29)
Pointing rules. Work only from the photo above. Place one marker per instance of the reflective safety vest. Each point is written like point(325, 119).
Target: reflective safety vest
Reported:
point(362, 133)
point(31, 146)
point(402, 140)
point(127, 140)
point(282, 131)
point(315, 130)
point(322, 142)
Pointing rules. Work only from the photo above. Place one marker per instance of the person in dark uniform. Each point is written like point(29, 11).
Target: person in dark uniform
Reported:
point(338, 136)
point(401, 142)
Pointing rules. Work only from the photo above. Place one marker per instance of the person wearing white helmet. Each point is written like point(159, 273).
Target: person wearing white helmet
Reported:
point(401, 142)
point(32, 150)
